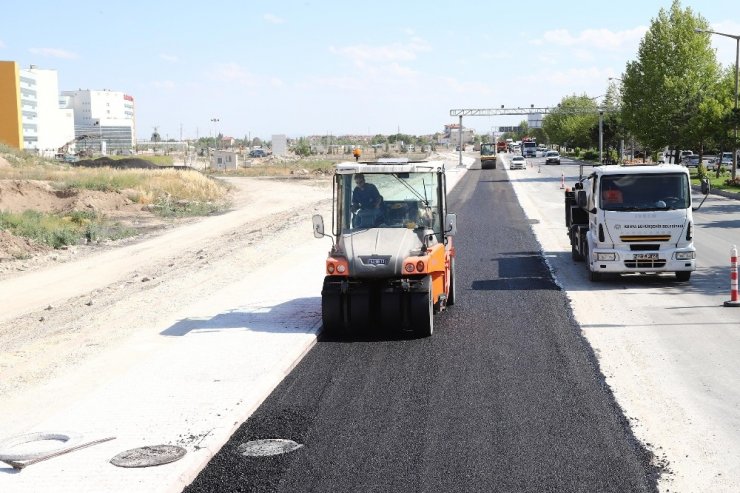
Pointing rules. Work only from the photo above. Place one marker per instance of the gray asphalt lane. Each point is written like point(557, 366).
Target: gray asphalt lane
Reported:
point(505, 396)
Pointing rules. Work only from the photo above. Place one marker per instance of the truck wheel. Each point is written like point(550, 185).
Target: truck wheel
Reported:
point(574, 253)
point(683, 276)
point(422, 312)
point(452, 294)
point(593, 276)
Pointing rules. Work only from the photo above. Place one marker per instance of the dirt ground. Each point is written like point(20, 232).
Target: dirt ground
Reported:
point(85, 299)
point(21, 255)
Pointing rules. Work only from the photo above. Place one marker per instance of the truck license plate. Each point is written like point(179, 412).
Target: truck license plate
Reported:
point(377, 261)
point(645, 256)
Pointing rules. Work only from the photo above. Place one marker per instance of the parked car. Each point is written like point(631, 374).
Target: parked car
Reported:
point(257, 153)
point(726, 158)
point(518, 162)
point(690, 161)
point(552, 157)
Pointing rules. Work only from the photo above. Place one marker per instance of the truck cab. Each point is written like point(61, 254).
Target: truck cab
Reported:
point(633, 219)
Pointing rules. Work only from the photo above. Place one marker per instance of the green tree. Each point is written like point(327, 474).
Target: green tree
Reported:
point(401, 138)
point(302, 147)
point(540, 135)
point(378, 139)
point(573, 121)
point(667, 91)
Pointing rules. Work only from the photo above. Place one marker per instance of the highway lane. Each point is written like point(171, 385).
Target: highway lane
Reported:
point(668, 349)
point(505, 396)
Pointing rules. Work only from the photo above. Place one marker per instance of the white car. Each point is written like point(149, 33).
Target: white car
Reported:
point(518, 162)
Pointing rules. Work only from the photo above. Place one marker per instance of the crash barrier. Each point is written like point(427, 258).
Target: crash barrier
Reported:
point(733, 301)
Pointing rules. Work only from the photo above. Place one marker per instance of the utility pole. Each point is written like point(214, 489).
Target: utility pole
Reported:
point(736, 112)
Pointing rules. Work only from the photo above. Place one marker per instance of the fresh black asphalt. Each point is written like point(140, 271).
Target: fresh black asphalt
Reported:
point(505, 396)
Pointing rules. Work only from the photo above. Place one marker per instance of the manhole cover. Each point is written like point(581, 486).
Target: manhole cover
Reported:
point(267, 447)
point(152, 455)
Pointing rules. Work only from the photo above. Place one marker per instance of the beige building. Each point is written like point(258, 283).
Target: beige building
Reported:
point(224, 160)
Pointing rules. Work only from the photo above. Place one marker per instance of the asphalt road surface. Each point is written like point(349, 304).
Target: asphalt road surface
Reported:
point(505, 396)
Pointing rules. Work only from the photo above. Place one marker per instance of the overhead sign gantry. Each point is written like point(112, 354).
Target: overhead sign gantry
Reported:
point(528, 111)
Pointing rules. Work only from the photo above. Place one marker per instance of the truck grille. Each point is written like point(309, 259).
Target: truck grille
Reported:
point(644, 264)
point(644, 247)
point(644, 238)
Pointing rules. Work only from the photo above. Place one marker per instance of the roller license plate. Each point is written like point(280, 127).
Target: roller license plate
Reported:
point(377, 261)
point(645, 256)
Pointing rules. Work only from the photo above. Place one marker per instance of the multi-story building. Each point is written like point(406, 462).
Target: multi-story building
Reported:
point(32, 118)
point(105, 117)
point(452, 134)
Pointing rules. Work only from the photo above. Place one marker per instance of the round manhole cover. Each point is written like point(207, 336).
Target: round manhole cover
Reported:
point(151, 455)
point(267, 447)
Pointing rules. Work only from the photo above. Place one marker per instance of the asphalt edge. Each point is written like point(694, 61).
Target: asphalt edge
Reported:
point(187, 477)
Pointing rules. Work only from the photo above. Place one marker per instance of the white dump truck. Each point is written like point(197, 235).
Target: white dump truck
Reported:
point(633, 219)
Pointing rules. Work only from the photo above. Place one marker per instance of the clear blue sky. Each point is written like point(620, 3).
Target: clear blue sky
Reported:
point(339, 67)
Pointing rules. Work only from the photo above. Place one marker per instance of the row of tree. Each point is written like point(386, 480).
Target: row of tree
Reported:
point(673, 95)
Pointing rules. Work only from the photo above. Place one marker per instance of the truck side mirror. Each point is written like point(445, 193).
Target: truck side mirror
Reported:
point(451, 224)
point(581, 199)
point(318, 226)
point(705, 186)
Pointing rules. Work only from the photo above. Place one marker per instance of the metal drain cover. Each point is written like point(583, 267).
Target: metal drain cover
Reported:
point(151, 455)
point(267, 447)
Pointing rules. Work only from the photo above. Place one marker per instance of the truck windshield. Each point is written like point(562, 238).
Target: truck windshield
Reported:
point(407, 200)
point(645, 192)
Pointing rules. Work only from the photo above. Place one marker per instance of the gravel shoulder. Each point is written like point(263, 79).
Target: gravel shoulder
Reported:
point(77, 304)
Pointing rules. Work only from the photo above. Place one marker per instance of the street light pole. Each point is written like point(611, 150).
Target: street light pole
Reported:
point(736, 37)
point(460, 144)
point(601, 130)
point(215, 133)
point(601, 136)
point(621, 152)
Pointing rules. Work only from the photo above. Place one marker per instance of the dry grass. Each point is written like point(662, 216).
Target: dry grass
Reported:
point(192, 191)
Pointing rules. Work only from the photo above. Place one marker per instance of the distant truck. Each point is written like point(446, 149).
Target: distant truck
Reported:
point(501, 146)
point(633, 219)
point(529, 148)
point(488, 156)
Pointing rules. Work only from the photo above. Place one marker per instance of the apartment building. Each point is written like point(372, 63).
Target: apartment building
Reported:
point(451, 134)
point(106, 117)
point(33, 119)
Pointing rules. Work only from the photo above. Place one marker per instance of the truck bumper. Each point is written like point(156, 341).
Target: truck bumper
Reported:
point(626, 261)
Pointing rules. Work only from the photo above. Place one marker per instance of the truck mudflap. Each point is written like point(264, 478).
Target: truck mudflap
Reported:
point(349, 306)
